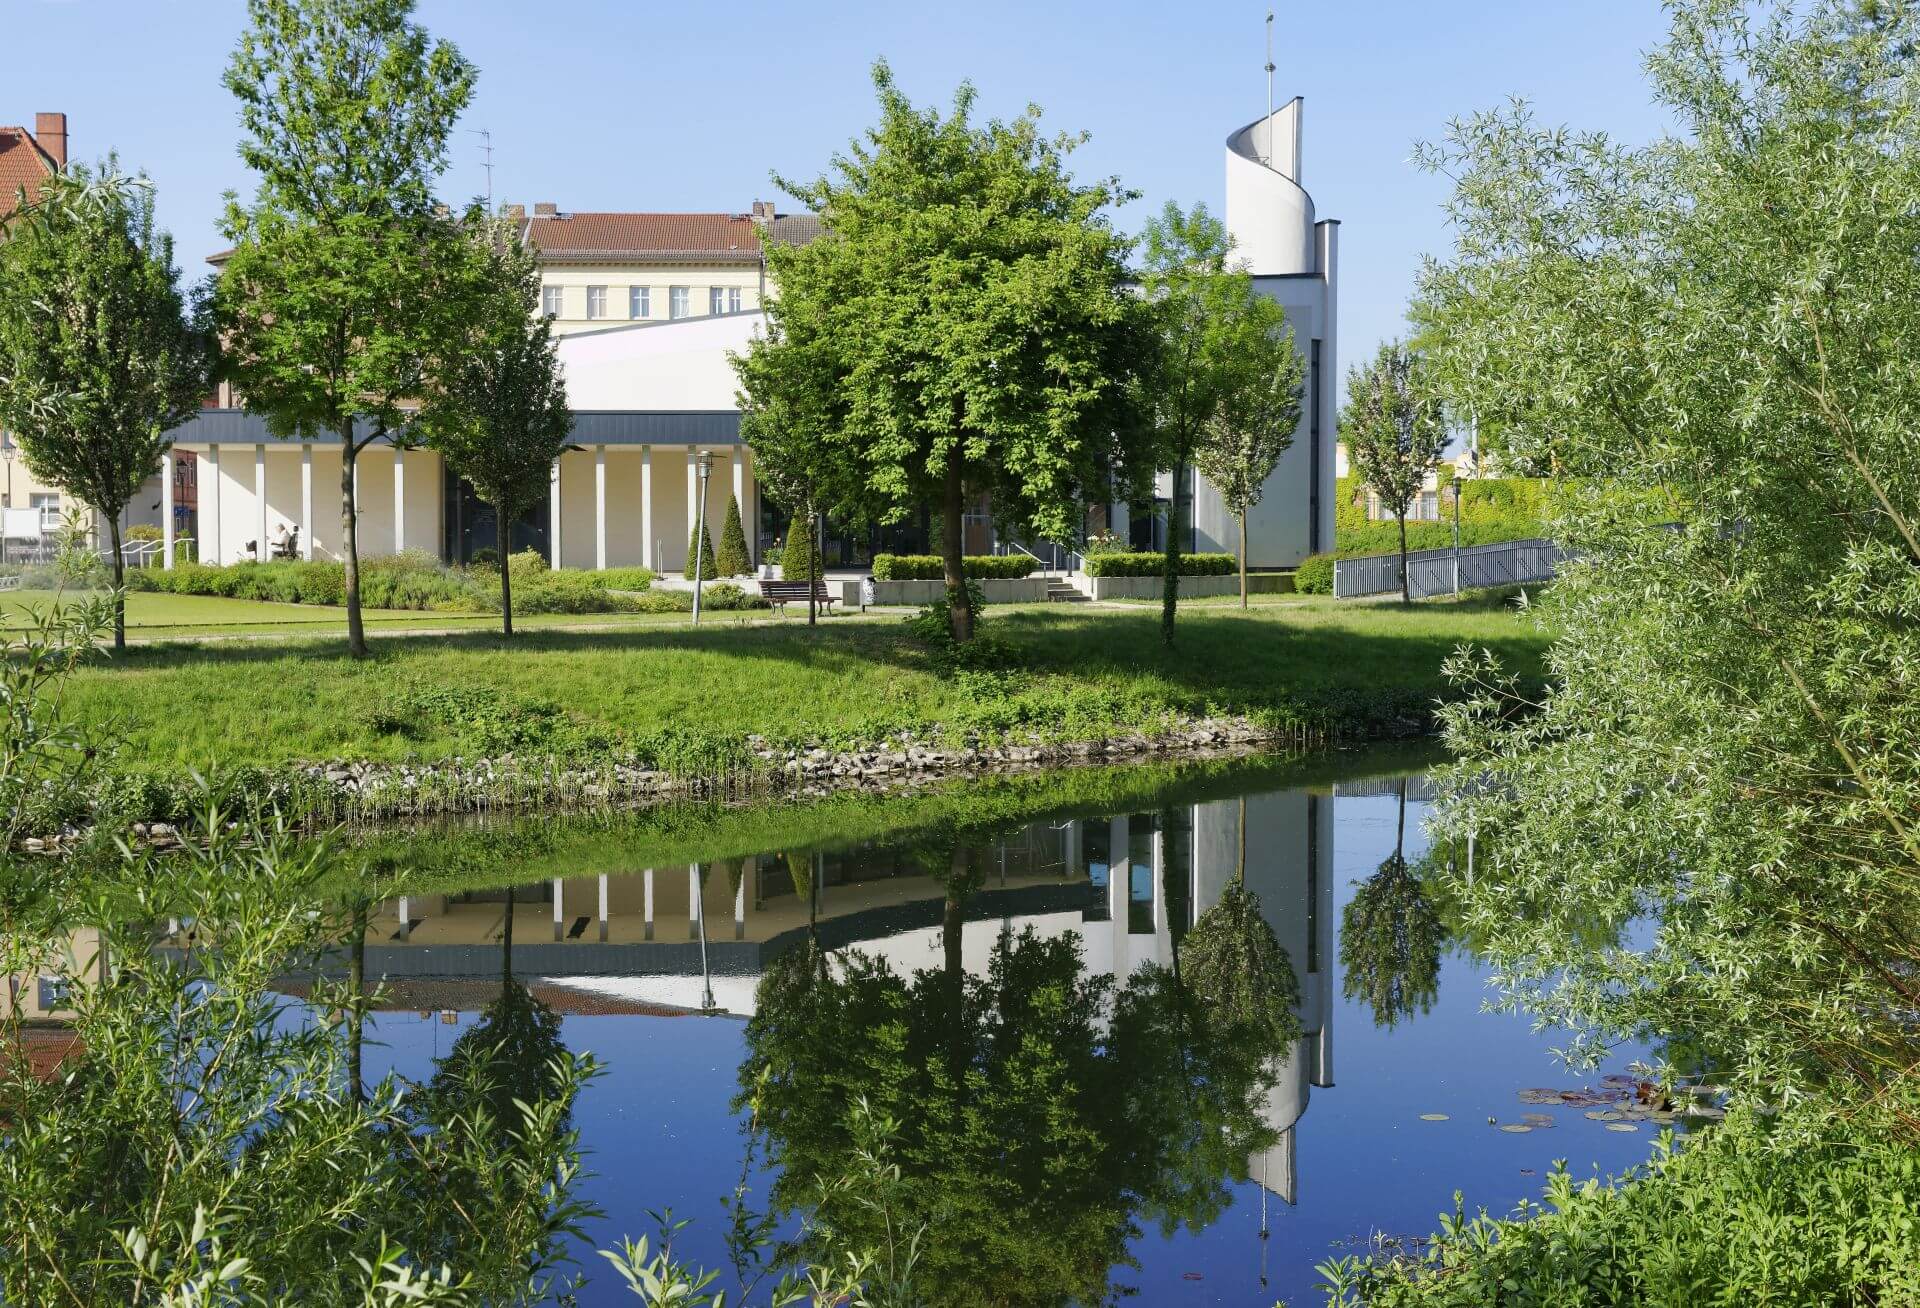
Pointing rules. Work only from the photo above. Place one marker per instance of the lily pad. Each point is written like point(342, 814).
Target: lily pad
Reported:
point(1621, 1126)
point(1604, 1115)
point(1617, 1078)
point(1433, 1117)
point(1516, 1128)
point(1537, 1119)
point(1539, 1096)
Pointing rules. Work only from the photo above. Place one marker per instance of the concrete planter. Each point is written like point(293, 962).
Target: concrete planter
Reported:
point(1004, 590)
point(1149, 587)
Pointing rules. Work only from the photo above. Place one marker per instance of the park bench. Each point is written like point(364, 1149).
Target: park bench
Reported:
point(782, 593)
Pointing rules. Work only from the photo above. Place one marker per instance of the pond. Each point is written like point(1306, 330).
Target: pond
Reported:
point(1097, 1154)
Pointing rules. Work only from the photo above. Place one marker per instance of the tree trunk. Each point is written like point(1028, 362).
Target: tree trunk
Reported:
point(119, 582)
point(815, 566)
point(960, 615)
point(350, 540)
point(1243, 559)
point(1170, 593)
point(501, 530)
point(1406, 595)
point(953, 921)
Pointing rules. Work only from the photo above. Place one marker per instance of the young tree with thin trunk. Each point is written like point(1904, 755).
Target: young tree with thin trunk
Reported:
point(1395, 432)
point(101, 355)
point(1221, 345)
point(496, 407)
point(333, 301)
point(969, 300)
point(1244, 442)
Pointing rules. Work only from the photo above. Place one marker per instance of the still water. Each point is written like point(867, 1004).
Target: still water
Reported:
point(1090, 1184)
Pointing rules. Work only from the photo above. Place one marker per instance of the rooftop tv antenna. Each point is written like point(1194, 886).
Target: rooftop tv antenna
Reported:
point(1268, 160)
point(486, 150)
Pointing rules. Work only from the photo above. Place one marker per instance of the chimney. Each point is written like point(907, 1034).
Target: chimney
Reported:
point(546, 210)
point(50, 130)
point(762, 212)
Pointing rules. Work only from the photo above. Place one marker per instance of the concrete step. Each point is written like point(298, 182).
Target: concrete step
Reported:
point(1062, 592)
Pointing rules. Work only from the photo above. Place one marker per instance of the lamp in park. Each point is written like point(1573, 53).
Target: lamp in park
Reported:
point(703, 465)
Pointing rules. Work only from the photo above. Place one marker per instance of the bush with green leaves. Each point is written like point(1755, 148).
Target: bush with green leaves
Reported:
point(800, 558)
point(1314, 576)
point(928, 567)
point(702, 540)
point(1152, 565)
point(733, 559)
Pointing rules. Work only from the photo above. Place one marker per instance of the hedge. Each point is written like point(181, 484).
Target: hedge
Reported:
point(928, 567)
point(415, 583)
point(1314, 576)
point(1151, 565)
point(1492, 509)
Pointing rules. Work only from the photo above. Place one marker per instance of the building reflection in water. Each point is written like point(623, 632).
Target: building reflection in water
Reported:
point(628, 938)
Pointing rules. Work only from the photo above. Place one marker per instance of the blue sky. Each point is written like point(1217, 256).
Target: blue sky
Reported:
point(623, 104)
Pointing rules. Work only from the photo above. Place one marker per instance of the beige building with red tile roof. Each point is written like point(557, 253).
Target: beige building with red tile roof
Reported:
point(28, 158)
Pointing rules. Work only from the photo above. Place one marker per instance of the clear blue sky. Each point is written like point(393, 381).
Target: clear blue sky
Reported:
point(638, 104)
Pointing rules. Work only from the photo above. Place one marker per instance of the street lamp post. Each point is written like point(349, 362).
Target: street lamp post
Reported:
point(8, 451)
point(703, 464)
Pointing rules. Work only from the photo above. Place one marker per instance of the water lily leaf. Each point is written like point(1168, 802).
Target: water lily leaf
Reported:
point(1517, 1128)
point(1621, 1126)
point(1604, 1115)
point(1539, 1096)
point(1433, 1117)
point(1537, 1119)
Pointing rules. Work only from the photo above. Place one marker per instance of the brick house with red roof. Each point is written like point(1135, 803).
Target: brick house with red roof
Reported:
point(28, 158)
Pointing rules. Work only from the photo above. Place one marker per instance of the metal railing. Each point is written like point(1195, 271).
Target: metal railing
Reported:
point(1057, 557)
point(1444, 571)
point(153, 553)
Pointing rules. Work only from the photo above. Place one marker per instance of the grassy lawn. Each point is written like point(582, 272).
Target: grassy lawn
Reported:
point(1083, 671)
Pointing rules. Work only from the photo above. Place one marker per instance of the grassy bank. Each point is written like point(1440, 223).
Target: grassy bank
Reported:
point(1076, 674)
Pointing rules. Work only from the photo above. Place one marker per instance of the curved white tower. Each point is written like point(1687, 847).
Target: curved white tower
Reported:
point(1293, 257)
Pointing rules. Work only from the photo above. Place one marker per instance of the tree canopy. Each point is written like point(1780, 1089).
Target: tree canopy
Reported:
point(1395, 432)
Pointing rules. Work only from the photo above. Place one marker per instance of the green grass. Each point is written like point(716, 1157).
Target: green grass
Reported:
point(1079, 673)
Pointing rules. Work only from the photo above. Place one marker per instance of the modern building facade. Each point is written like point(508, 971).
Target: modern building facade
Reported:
point(648, 307)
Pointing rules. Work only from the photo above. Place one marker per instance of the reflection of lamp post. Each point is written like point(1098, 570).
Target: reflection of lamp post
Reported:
point(703, 464)
point(700, 913)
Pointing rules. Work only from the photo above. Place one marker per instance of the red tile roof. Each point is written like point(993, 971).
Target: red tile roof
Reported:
point(22, 163)
point(646, 237)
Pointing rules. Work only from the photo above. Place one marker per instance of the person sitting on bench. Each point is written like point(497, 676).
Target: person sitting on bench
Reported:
point(285, 542)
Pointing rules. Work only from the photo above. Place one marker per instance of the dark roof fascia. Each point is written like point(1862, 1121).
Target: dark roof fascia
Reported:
point(590, 427)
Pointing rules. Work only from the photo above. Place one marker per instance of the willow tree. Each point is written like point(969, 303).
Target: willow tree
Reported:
point(497, 407)
point(101, 354)
point(334, 300)
point(968, 298)
point(1706, 330)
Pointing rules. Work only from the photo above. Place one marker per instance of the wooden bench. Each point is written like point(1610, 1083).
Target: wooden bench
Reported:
point(782, 593)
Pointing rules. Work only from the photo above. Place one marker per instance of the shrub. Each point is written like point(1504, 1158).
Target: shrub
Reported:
point(1103, 542)
point(625, 578)
point(726, 595)
point(663, 601)
point(700, 545)
point(1150, 565)
point(489, 557)
point(800, 561)
point(928, 567)
point(527, 563)
point(733, 560)
point(142, 531)
point(1314, 576)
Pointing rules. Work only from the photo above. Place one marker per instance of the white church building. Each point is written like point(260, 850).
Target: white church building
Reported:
point(647, 308)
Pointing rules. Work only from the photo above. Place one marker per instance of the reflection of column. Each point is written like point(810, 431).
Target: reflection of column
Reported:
point(740, 901)
point(559, 909)
point(406, 919)
point(1158, 857)
point(647, 884)
point(647, 558)
point(694, 907)
point(1076, 867)
point(1119, 872)
point(603, 907)
point(1320, 855)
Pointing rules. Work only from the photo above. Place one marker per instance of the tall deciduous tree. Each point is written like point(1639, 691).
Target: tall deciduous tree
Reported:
point(1243, 444)
point(1707, 327)
point(334, 300)
point(101, 354)
point(968, 300)
point(1222, 346)
point(1395, 433)
point(497, 407)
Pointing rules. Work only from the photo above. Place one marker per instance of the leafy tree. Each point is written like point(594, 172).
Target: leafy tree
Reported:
point(700, 546)
point(497, 405)
point(1391, 937)
point(733, 559)
point(1222, 346)
point(336, 300)
point(1246, 438)
point(101, 355)
point(1239, 969)
point(961, 327)
point(1700, 328)
point(1394, 433)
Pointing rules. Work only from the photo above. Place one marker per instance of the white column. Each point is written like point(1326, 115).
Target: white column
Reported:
point(1119, 879)
point(740, 481)
point(260, 501)
point(559, 909)
point(694, 907)
point(166, 509)
point(693, 495)
point(646, 508)
point(603, 906)
point(406, 920)
point(646, 879)
point(399, 500)
point(208, 550)
point(306, 501)
point(740, 904)
point(553, 517)
point(600, 507)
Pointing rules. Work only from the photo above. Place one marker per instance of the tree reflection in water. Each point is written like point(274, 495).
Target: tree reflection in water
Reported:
point(1391, 936)
point(1042, 1112)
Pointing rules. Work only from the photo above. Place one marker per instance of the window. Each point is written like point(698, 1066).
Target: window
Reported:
point(717, 300)
point(550, 300)
point(1429, 510)
point(639, 302)
point(596, 301)
point(733, 299)
point(677, 302)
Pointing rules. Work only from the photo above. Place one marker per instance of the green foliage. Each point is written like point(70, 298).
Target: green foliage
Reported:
point(1314, 576)
point(962, 326)
point(1816, 1209)
point(1492, 509)
point(1390, 939)
point(800, 560)
point(46, 760)
point(415, 582)
point(1225, 381)
point(1152, 565)
point(929, 567)
point(490, 723)
point(733, 559)
point(709, 567)
point(1731, 746)
point(1394, 431)
point(1240, 970)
